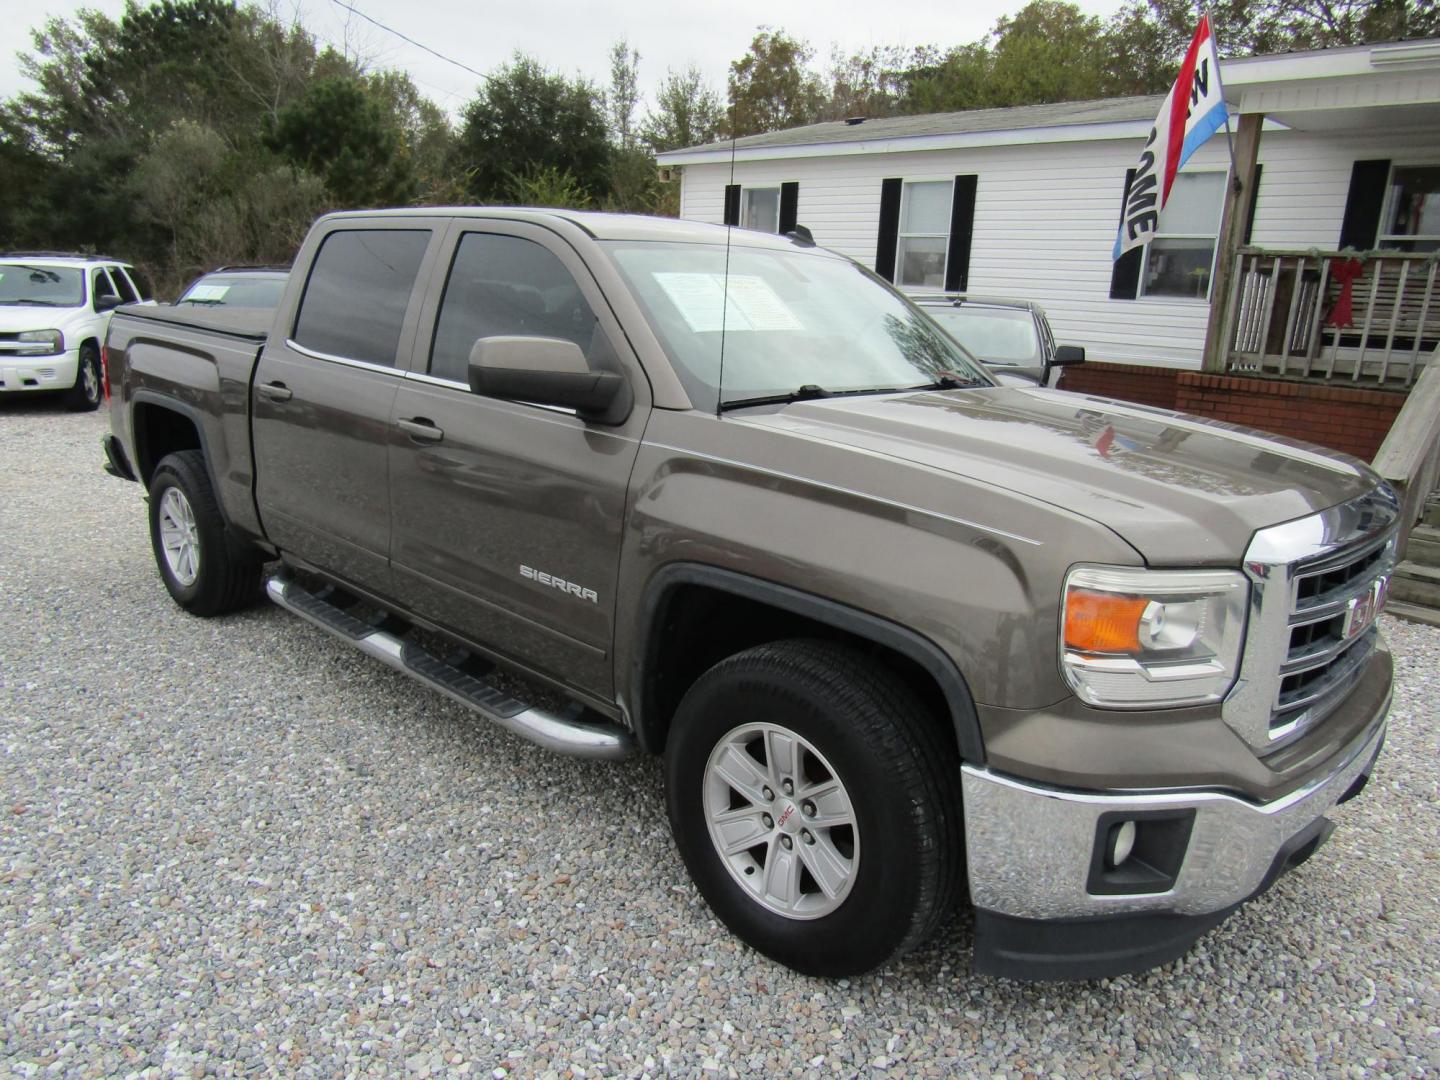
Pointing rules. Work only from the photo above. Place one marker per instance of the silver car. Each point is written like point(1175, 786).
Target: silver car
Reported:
point(1011, 336)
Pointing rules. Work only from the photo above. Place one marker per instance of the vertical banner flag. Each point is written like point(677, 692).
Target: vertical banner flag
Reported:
point(1193, 111)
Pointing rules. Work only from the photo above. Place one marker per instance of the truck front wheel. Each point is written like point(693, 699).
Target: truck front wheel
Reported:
point(197, 561)
point(816, 805)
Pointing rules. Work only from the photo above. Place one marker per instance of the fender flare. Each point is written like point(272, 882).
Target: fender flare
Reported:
point(900, 639)
point(189, 412)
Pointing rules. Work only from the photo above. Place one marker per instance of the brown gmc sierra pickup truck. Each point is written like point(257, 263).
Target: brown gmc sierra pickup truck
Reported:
point(905, 637)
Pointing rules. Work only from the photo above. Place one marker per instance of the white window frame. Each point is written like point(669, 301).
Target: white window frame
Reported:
point(901, 235)
point(1388, 206)
point(1214, 249)
point(745, 193)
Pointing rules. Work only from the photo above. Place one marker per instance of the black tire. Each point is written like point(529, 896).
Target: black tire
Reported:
point(899, 769)
point(226, 576)
point(87, 393)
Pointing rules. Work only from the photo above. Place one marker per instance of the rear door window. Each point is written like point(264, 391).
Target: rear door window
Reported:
point(358, 291)
point(504, 286)
point(101, 287)
point(141, 283)
point(122, 285)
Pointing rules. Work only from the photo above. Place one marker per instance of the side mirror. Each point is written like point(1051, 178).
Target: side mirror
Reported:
point(107, 303)
point(1069, 354)
point(548, 371)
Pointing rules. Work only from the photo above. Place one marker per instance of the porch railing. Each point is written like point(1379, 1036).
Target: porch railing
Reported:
point(1287, 315)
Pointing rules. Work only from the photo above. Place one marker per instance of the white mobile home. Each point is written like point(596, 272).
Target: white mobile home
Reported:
point(1025, 202)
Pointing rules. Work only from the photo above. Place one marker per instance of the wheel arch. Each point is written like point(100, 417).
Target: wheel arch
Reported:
point(160, 426)
point(662, 610)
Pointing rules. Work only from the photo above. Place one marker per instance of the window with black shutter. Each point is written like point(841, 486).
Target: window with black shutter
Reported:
point(1361, 224)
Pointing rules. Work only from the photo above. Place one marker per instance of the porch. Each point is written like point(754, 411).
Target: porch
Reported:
point(1367, 320)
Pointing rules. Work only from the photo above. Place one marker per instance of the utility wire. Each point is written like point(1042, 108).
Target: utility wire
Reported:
point(412, 41)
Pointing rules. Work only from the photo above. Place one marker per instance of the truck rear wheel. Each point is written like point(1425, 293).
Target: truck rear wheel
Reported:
point(198, 563)
point(816, 805)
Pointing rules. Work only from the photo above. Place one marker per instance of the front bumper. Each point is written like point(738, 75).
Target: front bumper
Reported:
point(1044, 906)
point(38, 373)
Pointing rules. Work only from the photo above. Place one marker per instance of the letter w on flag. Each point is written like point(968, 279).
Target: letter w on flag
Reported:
point(1193, 111)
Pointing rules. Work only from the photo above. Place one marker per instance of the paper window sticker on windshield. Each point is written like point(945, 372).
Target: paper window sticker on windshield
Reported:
point(758, 302)
point(749, 303)
point(208, 292)
point(698, 298)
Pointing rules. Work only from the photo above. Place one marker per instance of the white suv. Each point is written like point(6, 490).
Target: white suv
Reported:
point(54, 310)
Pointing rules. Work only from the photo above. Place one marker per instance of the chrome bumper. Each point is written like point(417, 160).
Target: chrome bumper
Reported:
point(1030, 849)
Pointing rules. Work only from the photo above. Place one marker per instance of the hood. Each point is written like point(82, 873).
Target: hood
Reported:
point(14, 318)
point(1179, 489)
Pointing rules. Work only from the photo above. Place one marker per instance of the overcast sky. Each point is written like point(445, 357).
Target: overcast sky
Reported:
point(575, 37)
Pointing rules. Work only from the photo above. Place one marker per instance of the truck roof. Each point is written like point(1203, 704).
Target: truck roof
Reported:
point(601, 226)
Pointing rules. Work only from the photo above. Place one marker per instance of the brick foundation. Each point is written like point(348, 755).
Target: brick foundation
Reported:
point(1344, 418)
point(1128, 382)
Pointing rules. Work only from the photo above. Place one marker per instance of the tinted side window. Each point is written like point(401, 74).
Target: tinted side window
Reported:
point(142, 283)
point(127, 291)
point(100, 286)
point(357, 293)
point(503, 285)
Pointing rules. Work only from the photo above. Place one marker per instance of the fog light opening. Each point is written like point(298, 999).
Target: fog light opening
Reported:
point(1122, 844)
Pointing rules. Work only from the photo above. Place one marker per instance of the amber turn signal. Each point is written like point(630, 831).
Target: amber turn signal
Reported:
point(1097, 622)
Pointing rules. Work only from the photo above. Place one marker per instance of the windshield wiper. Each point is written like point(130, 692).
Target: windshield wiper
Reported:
point(32, 303)
point(808, 392)
point(948, 380)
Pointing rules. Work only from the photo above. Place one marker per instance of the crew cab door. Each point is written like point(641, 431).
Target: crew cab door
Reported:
point(322, 394)
point(508, 516)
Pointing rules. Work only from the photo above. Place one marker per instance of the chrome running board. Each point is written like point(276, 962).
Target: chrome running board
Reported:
point(565, 733)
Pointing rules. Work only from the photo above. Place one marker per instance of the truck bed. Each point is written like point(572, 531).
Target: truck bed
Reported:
point(253, 324)
point(202, 358)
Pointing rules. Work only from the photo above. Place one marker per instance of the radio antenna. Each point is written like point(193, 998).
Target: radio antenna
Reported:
point(725, 286)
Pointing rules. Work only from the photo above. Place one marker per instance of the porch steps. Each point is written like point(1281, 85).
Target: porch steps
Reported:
point(1415, 584)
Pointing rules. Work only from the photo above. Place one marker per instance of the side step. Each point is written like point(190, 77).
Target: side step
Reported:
point(564, 733)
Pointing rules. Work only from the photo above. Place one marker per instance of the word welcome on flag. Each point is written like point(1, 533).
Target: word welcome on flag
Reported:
point(1193, 111)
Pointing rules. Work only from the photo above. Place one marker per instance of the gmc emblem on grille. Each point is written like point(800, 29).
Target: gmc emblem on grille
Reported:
point(1362, 609)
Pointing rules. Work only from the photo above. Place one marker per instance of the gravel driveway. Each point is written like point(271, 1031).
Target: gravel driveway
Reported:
point(236, 846)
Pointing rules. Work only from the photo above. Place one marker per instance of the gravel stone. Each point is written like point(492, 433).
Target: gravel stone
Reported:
point(236, 847)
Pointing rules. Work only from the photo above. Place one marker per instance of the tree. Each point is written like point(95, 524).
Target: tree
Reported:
point(545, 185)
point(771, 86)
point(957, 80)
point(342, 133)
point(1146, 39)
point(28, 175)
point(526, 118)
point(427, 135)
point(870, 83)
point(687, 113)
point(1048, 51)
point(150, 132)
point(624, 93)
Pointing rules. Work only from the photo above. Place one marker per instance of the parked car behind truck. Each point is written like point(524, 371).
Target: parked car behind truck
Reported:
point(54, 310)
point(902, 635)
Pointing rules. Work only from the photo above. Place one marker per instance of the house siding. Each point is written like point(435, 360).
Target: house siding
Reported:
point(1045, 220)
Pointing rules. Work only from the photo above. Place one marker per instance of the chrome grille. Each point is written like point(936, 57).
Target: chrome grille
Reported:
point(1321, 659)
point(1307, 575)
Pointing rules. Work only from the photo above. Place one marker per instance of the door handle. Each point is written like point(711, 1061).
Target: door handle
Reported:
point(276, 391)
point(421, 429)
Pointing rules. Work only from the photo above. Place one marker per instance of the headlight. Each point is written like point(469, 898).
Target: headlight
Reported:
point(40, 343)
point(1133, 638)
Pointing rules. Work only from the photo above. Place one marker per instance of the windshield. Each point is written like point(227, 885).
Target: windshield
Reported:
point(31, 285)
point(1001, 335)
point(236, 290)
point(793, 321)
